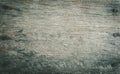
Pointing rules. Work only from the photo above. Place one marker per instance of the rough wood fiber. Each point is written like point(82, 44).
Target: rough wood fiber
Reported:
point(59, 36)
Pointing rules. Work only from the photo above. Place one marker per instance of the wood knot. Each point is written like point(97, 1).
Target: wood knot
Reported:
point(5, 37)
point(114, 8)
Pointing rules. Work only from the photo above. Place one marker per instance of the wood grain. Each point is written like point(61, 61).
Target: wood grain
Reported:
point(60, 36)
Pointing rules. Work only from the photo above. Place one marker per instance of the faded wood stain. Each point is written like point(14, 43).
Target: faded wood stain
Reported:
point(60, 36)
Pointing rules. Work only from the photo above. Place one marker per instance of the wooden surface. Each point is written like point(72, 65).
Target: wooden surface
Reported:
point(60, 36)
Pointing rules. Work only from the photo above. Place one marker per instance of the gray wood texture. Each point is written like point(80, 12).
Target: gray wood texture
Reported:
point(59, 37)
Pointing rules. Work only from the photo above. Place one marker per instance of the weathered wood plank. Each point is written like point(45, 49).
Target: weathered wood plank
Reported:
point(60, 36)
